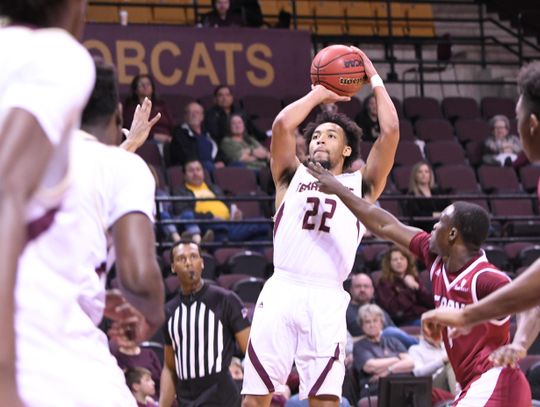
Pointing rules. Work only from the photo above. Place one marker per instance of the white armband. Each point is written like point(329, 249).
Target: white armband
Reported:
point(376, 81)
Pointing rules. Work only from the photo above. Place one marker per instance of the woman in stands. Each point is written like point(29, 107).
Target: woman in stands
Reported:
point(501, 148)
point(422, 186)
point(239, 147)
point(399, 291)
point(143, 86)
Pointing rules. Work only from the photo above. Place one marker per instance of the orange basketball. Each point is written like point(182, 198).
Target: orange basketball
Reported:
point(339, 69)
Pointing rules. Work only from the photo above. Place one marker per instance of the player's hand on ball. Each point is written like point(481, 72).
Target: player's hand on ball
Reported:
point(508, 355)
point(368, 65)
point(327, 96)
point(327, 182)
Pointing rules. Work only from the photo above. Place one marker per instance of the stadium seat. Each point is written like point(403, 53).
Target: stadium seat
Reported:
point(149, 152)
point(370, 253)
point(444, 152)
point(175, 176)
point(434, 130)
point(249, 290)
point(528, 255)
point(456, 179)
point(455, 108)
point(210, 266)
point(247, 262)
point(472, 130)
point(497, 256)
point(475, 150)
point(229, 280)
point(530, 175)
point(421, 108)
point(498, 179)
point(408, 153)
point(406, 132)
point(401, 176)
point(236, 180)
point(513, 250)
point(223, 254)
point(511, 207)
point(492, 106)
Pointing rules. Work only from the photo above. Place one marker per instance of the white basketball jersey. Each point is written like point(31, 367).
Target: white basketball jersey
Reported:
point(315, 235)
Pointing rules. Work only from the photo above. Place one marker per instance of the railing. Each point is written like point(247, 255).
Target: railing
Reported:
point(385, 197)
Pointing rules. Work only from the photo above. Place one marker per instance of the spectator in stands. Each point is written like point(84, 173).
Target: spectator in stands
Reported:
point(216, 119)
point(140, 382)
point(399, 292)
point(240, 148)
point(362, 293)
point(430, 359)
point(422, 185)
point(195, 186)
point(130, 355)
point(143, 86)
point(501, 148)
point(192, 141)
point(376, 356)
point(368, 120)
point(221, 15)
point(199, 375)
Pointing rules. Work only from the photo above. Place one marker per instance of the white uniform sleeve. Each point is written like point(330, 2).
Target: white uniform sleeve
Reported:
point(132, 188)
point(55, 82)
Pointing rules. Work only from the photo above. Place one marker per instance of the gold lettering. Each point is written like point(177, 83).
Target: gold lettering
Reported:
point(200, 54)
point(101, 48)
point(156, 68)
point(261, 64)
point(229, 49)
point(123, 61)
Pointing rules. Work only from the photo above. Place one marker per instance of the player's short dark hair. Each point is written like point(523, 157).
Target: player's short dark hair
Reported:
point(529, 87)
point(183, 241)
point(134, 375)
point(353, 133)
point(39, 13)
point(472, 222)
point(104, 99)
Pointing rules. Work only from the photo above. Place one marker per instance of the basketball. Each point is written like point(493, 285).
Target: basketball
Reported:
point(339, 69)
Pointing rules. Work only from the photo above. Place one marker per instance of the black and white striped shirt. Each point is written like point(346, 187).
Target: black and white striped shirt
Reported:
point(201, 330)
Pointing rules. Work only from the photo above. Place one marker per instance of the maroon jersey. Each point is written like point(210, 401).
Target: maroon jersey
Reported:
point(468, 354)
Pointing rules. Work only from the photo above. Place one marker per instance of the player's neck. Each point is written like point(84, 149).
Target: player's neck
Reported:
point(459, 258)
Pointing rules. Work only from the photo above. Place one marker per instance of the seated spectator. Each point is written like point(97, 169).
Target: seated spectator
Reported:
point(399, 292)
point(142, 86)
point(216, 119)
point(142, 386)
point(192, 141)
point(240, 148)
point(422, 184)
point(195, 186)
point(129, 355)
point(362, 292)
point(430, 359)
point(501, 148)
point(368, 120)
point(375, 356)
point(221, 15)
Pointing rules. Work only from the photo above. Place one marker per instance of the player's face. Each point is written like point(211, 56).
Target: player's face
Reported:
point(187, 264)
point(372, 326)
point(439, 235)
point(423, 175)
point(398, 263)
point(528, 131)
point(194, 173)
point(362, 290)
point(148, 387)
point(328, 145)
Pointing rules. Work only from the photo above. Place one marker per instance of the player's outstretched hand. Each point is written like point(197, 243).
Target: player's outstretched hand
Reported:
point(128, 324)
point(434, 320)
point(140, 126)
point(508, 355)
point(327, 182)
point(368, 65)
point(326, 96)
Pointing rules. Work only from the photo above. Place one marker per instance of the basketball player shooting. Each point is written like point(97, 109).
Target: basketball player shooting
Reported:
point(300, 314)
point(461, 275)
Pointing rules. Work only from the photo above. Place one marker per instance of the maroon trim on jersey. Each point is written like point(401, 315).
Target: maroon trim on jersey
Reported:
point(102, 269)
point(322, 377)
point(260, 369)
point(278, 217)
point(40, 225)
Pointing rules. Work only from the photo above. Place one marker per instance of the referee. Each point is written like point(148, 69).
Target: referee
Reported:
point(202, 324)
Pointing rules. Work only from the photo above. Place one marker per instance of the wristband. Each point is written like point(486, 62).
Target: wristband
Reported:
point(376, 81)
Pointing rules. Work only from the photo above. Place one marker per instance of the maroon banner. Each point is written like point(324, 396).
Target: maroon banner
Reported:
point(193, 61)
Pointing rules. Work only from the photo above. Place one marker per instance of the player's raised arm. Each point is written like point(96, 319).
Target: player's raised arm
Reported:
point(283, 148)
point(381, 157)
point(377, 220)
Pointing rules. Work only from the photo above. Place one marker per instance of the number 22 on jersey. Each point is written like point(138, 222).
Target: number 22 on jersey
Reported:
point(310, 221)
